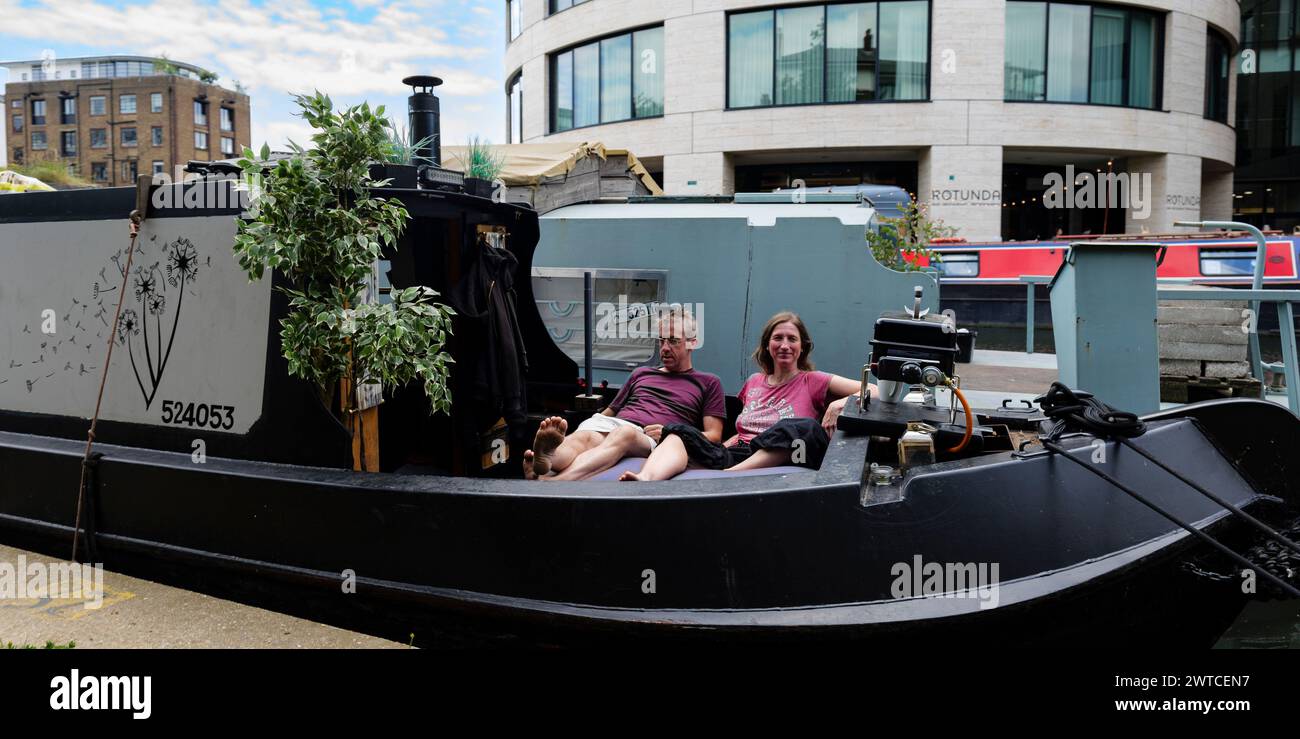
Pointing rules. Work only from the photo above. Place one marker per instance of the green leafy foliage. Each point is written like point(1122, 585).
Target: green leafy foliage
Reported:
point(901, 242)
point(313, 219)
point(482, 161)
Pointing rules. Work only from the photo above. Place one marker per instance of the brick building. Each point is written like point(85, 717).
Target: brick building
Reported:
point(110, 118)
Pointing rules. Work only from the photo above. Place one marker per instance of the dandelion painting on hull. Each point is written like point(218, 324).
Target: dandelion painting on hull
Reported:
point(147, 329)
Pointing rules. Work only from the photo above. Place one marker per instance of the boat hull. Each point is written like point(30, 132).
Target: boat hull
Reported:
point(792, 557)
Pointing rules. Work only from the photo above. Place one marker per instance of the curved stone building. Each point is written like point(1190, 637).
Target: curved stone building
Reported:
point(971, 104)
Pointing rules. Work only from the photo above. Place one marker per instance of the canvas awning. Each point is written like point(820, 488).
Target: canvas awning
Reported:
point(531, 164)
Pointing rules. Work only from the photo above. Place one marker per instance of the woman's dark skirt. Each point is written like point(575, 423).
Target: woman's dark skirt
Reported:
point(804, 437)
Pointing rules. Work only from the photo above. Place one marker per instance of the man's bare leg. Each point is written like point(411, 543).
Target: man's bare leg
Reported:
point(762, 458)
point(553, 451)
point(624, 441)
point(667, 459)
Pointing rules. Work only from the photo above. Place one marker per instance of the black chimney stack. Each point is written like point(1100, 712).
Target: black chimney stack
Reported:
point(425, 119)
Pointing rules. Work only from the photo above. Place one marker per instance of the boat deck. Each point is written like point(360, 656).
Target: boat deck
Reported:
point(994, 376)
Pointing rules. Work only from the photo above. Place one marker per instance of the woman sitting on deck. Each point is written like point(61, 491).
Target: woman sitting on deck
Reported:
point(778, 423)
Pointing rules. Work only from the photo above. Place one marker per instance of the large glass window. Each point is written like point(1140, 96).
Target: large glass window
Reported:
point(647, 81)
point(558, 5)
point(1025, 71)
point(850, 52)
point(1066, 52)
point(835, 53)
point(750, 59)
point(1217, 59)
point(613, 79)
point(514, 14)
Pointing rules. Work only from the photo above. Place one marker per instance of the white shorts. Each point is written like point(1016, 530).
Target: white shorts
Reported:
point(603, 424)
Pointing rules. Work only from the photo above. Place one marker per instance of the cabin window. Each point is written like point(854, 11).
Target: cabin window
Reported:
point(614, 79)
point(1067, 52)
point(840, 53)
point(965, 264)
point(626, 303)
point(1217, 262)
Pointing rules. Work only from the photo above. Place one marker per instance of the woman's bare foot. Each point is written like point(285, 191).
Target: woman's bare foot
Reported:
point(550, 435)
point(629, 476)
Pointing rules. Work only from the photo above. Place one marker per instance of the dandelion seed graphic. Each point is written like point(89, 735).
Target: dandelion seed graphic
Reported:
point(127, 326)
point(145, 284)
point(156, 304)
point(182, 262)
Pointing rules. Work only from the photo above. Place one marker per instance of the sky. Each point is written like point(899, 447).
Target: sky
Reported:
point(352, 50)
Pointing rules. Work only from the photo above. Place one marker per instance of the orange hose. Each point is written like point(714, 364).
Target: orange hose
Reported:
point(970, 421)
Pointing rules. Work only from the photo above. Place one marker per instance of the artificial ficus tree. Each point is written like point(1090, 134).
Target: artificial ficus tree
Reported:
point(313, 218)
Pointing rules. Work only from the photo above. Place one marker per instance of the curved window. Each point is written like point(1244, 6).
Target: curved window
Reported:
point(1217, 58)
point(1080, 53)
point(614, 79)
point(835, 53)
point(515, 111)
point(514, 16)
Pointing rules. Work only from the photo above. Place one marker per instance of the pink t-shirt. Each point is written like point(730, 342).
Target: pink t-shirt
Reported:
point(801, 396)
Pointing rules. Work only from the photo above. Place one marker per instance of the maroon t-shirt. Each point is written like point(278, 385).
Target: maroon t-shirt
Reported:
point(652, 396)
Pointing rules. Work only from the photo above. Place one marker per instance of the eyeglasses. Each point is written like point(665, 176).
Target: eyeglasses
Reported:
point(670, 340)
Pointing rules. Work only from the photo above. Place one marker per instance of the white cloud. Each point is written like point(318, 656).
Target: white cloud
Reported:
point(286, 46)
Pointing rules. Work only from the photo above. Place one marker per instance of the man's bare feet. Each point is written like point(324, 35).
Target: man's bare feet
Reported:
point(549, 437)
point(529, 474)
point(629, 476)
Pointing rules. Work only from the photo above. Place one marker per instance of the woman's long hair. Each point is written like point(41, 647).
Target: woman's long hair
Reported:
point(764, 358)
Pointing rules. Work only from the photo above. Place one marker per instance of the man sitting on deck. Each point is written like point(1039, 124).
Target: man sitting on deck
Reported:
point(630, 426)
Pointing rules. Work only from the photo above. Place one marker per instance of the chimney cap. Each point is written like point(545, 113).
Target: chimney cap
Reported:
point(422, 81)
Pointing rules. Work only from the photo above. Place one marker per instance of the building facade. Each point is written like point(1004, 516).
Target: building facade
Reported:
point(973, 105)
point(111, 118)
point(1267, 188)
